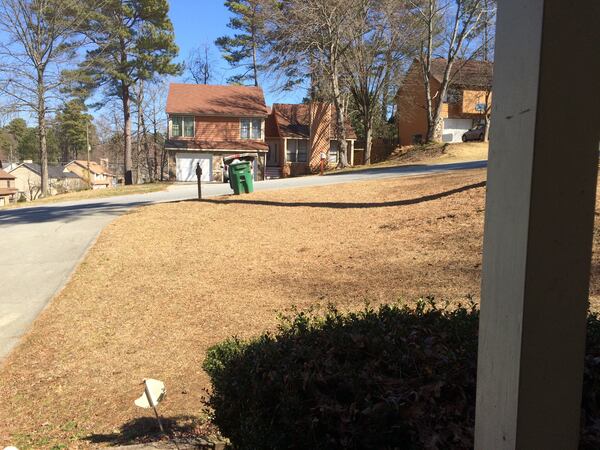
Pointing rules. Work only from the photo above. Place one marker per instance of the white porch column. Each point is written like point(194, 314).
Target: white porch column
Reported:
point(539, 222)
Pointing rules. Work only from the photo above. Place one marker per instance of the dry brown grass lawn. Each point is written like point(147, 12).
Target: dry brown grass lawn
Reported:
point(165, 282)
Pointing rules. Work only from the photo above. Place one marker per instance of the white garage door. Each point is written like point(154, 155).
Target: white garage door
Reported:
point(454, 129)
point(186, 166)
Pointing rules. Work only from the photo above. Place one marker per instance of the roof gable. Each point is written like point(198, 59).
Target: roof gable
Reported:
point(94, 166)
point(215, 100)
point(293, 121)
point(465, 73)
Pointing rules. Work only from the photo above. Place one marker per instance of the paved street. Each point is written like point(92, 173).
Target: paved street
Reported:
point(42, 245)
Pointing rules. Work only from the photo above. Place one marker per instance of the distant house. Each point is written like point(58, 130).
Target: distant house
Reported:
point(8, 190)
point(29, 180)
point(208, 123)
point(464, 106)
point(297, 135)
point(93, 174)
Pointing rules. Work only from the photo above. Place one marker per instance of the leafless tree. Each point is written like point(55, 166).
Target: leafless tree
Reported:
point(200, 64)
point(488, 33)
point(39, 38)
point(376, 53)
point(154, 107)
point(150, 157)
point(109, 129)
point(313, 37)
point(446, 27)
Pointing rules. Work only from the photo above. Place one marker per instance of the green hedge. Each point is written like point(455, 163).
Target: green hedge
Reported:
point(392, 378)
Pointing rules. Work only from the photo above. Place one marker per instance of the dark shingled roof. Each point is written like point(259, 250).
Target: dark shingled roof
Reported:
point(465, 73)
point(54, 171)
point(214, 100)
point(293, 121)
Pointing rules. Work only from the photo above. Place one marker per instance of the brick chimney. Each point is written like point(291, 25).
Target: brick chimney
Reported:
point(320, 132)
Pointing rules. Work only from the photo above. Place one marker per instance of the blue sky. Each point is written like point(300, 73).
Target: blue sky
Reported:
point(199, 22)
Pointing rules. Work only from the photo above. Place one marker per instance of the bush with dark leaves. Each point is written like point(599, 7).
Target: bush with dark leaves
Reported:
point(391, 378)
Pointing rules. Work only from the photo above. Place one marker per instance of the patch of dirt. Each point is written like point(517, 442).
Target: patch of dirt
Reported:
point(165, 282)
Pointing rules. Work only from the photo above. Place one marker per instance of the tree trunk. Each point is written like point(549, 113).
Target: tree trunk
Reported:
point(368, 141)
point(42, 136)
point(127, 161)
point(254, 68)
point(340, 112)
point(435, 126)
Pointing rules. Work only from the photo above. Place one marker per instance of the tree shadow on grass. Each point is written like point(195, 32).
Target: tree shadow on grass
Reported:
point(361, 205)
point(184, 430)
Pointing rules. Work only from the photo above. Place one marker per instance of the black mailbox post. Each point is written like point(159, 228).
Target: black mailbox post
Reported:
point(199, 176)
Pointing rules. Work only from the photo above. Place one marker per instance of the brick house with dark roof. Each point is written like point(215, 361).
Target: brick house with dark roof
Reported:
point(467, 101)
point(207, 123)
point(297, 135)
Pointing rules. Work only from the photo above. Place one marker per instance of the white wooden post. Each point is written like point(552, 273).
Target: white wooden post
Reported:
point(539, 223)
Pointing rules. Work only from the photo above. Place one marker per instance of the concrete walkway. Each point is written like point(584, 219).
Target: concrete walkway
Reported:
point(41, 245)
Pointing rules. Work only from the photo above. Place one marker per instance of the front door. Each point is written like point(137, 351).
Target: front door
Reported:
point(273, 155)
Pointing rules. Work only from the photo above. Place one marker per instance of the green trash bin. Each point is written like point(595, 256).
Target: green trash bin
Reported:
point(240, 178)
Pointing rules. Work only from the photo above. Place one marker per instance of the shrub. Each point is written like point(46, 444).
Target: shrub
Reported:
point(391, 378)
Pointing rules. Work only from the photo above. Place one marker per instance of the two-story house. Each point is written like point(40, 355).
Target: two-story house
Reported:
point(8, 190)
point(465, 105)
point(207, 123)
point(299, 134)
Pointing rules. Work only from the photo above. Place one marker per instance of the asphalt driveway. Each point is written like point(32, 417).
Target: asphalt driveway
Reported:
point(42, 245)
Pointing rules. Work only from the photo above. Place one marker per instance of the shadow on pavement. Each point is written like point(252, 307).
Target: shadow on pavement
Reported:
point(40, 214)
point(337, 205)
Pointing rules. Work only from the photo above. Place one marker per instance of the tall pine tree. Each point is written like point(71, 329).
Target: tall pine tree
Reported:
point(73, 125)
point(241, 50)
point(134, 41)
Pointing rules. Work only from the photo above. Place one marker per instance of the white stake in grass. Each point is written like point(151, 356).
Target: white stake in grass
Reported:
point(154, 392)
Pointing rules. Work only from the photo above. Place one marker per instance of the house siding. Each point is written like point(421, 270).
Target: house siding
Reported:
point(28, 183)
point(471, 98)
point(320, 133)
point(217, 129)
point(412, 108)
